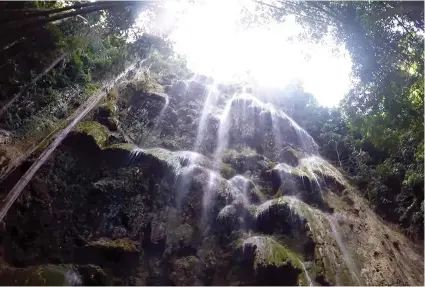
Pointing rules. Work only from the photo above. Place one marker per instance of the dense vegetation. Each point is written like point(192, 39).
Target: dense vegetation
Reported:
point(53, 55)
point(377, 135)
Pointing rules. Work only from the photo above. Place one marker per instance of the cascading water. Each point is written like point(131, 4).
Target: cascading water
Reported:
point(210, 102)
point(307, 142)
point(242, 184)
point(246, 101)
point(297, 205)
point(202, 205)
point(223, 133)
point(310, 283)
point(347, 256)
point(155, 132)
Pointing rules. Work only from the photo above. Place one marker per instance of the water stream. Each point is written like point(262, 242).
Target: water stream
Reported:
point(210, 102)
point(345, 253)
point(310, 283)
point(155, 131)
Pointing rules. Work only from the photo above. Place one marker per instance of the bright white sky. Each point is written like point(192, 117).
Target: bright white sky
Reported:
point(215, 44)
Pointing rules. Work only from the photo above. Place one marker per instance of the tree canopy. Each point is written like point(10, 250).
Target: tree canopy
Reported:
point(378, 133)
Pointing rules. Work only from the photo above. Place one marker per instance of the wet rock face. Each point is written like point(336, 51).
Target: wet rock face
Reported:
point(267, 260)
point(133, 204)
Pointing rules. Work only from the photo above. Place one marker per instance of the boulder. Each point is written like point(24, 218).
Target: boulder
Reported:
point(268, 262)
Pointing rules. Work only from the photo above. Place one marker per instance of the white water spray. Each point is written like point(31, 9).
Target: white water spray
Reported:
point(310, 283)
point(209, 104)
point(345, 253)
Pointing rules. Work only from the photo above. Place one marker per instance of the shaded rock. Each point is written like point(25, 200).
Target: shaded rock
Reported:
point(298, 181)
point(289, 156)
point(40, 275)
point(106, 115)
point(92, 275)
point(228, 218)
point(94, 130)
point(286, 216)
point(196, 90)
point(119, 245)
point(246, 160)
point(187, 271)
point(5, 137)
point(269, 261)
point(118, 255)
point(180, 236)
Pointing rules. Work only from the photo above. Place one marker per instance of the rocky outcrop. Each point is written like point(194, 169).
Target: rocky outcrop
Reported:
point(197, 186)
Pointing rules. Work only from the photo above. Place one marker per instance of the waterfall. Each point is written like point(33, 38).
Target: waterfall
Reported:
point(208, 105)
point(241, 183)
point(223, 133)
point(345, 253)
point(155, 131)
point(305, 139)
point(310, 283)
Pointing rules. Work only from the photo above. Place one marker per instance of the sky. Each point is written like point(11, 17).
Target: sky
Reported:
point(214, 43)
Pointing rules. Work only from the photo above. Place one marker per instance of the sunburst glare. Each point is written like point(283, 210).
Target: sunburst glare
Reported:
point(215, 43)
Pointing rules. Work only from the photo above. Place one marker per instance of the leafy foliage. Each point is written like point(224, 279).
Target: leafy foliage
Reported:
point(378, 134)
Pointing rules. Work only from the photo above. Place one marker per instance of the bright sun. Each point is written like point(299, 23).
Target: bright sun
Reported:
point(214, 43)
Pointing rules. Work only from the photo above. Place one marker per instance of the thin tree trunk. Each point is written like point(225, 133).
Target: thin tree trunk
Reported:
point(24, 28)
point(38, 77)
point(40, 22)
point(337, 153)
point(20, 185)
point(37, 12)
point(16, 15)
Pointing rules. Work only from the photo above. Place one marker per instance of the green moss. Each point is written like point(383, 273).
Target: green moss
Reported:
point(108, 108)
point(184, 232)
point(261, 196)
point(121, 146)
point(91, 88)
point(98, 132)
point(239, 243)
point(112, 95)
point(269, 252)
point(227, 171)
point(292, 152)
point(165, 156)
point(271, 165)
point(125, 245)
point(248, 151)
point(37, 275)
point(306, 172)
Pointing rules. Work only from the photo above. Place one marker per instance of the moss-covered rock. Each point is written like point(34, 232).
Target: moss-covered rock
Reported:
point(248, 188)
point(119, 256)
point(267, 259)
point(126, 147)
point(56, 275)
point(285, 216)
point(289, 156)
point(298, 181)
point(246, 159)
point(93, 275)
point(182, 234)
point(97, 132)
point(324, 171)
point(228, 217)
point(122, 245)
point(106, 114)
point(270, 252)
point(227, 171)
point(187, 271)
